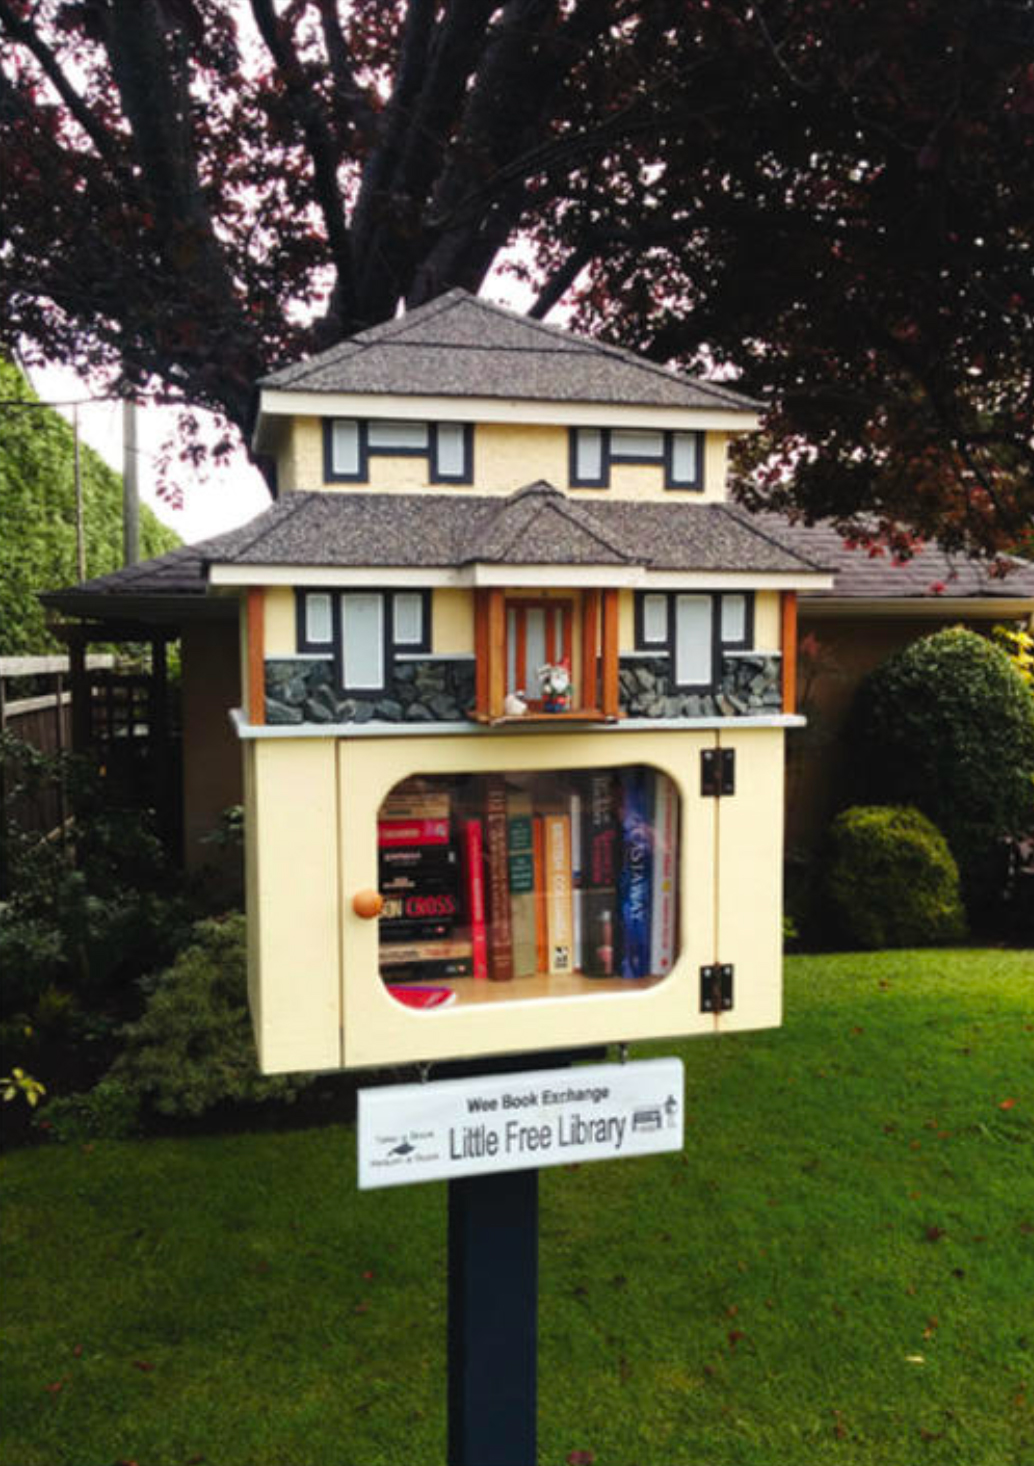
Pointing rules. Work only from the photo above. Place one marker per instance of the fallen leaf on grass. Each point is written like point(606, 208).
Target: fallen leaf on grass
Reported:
point(363, 1307)
point(57, 1386)
point(735, 1336)
point(1007, 1104)
point(581, 1458)
point(931, 1328)
point(839, 1428)
point(914, 1359)
point(144, 1365)
point(934, 1233)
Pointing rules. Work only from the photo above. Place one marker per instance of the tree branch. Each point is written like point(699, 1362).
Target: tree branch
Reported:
point(322, 147)
point(26, 34)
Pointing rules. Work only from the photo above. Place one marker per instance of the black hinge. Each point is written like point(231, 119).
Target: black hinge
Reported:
point(717, 772)
point(716, 988)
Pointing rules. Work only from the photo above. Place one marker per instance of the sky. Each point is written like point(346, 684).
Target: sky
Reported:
point(215, 498)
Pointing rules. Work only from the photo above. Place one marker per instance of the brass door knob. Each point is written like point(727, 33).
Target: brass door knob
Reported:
point(368, 904)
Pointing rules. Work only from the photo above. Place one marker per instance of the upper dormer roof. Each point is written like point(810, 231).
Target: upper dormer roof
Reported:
point(461, 346)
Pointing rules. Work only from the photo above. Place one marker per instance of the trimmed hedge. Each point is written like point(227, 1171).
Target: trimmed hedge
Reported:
point(947, 724)
point(891, 880)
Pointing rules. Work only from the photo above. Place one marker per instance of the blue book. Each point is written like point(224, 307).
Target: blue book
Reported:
point(635, 881)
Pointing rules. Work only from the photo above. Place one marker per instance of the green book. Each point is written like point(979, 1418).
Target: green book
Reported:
point(521, 860)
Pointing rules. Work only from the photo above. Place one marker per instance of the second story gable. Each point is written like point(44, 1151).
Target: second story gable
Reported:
point(464, 395)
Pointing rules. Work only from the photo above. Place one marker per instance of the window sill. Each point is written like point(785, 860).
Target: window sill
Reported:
point(536, 715)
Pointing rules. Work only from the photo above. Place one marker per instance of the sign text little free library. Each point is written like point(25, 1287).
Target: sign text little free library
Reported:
point(511, 1122)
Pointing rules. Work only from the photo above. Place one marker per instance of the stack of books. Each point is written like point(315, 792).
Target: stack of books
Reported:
point(504, 876)
point(422, 929)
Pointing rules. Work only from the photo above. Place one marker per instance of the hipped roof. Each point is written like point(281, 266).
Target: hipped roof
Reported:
point(461, 346)
point(538, 525)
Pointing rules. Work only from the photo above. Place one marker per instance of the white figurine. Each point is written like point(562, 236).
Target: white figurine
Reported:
point(514, 704)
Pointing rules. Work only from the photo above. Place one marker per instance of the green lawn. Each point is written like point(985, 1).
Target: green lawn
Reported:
point(839, 1267)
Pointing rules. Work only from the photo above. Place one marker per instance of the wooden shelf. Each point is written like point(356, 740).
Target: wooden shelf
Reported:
point(574, 715)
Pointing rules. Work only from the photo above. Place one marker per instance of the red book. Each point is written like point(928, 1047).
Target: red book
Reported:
point(412, 832)
point(497, 882)
point(474, 883)
point(419, 995)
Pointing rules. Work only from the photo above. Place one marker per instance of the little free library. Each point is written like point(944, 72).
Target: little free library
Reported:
point(516, 682)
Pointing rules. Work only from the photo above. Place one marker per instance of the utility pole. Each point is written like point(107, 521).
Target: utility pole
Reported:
point(130, 485)
point(80, 526)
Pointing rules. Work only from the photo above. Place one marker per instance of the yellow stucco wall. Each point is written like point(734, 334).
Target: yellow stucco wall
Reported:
point(318, 998)
point(768, 628)
point(452, 621)
point(280, 621)
point(506, 457)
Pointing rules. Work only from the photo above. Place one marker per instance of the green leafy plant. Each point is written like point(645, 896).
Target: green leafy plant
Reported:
point(1018, 646)
point(891, 880)
point(192, 1048)
point(19, 1084)
point(947, 724)
point(108, 1111)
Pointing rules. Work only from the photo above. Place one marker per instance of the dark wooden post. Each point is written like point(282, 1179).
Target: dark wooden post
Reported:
point(493, 1319)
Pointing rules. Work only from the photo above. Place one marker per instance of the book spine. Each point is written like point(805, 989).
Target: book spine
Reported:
point(412, 832)
point(538, 833)
point(418, 864)
point(431, 906)
point(559, 905)
point(474, 877)
point(416, 806)
point(599, 876)
point(665, 867)
point(574, 814)
point(497, 883)
point(436, 948)
point(521, 864)
point(429, 970)
point(634, 884)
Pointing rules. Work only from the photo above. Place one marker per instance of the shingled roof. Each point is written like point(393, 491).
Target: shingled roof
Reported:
point(461, 346)
point(876, 576)
point(538, 525)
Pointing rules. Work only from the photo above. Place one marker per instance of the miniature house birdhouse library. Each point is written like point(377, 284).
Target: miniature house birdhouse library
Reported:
point(517, 679)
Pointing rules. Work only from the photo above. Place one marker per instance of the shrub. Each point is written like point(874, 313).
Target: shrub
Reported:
point(108, 1111)
point(947, 724)
point(892, 881)
point(192, 1048)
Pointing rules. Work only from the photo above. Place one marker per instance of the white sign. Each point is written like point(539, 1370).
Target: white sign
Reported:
point(512, 1122)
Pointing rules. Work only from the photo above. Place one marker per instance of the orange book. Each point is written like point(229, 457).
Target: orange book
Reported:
point(559, 893)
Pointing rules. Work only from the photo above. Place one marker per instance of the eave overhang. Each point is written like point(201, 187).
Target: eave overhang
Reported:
point(276, 403)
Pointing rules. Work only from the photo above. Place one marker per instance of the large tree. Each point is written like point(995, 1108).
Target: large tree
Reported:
point(829, 196)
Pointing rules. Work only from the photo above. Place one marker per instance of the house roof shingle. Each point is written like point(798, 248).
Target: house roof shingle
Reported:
point(461, 346)
point(876, 576)
point(538, 525)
